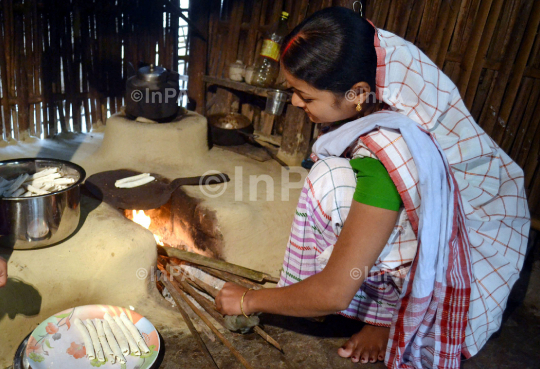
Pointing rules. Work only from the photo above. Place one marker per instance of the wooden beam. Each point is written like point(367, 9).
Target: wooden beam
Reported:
point(234, 85)
point(199, 13)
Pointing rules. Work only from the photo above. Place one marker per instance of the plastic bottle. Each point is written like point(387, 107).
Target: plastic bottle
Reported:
point(267, 67)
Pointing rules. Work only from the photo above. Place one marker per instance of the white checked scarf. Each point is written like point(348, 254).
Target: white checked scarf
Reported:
point(455, 308)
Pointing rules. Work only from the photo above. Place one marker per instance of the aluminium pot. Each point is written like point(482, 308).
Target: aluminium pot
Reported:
point(227, 129)
point(44, 220)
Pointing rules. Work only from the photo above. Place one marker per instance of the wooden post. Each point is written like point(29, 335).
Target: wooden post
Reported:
point(199, 12)
point(296, 136)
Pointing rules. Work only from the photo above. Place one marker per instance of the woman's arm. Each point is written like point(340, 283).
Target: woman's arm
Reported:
point(3, 272)
point(364, 235)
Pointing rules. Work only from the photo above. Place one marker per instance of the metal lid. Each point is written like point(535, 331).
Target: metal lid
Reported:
point(152, 73)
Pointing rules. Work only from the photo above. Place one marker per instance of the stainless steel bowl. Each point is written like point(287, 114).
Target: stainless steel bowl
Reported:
point(39, 221)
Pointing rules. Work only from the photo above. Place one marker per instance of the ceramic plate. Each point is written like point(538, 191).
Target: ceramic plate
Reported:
point(57, 344)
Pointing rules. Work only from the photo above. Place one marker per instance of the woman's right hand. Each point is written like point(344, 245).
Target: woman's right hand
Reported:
point(3, 272)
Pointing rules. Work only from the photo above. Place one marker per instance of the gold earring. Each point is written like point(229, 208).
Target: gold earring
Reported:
point(359, 107)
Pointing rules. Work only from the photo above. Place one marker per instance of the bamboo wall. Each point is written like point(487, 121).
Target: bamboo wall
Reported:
point(489, 48)
point(64, 64)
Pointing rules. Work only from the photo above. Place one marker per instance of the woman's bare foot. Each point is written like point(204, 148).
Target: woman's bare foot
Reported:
point(368, 345)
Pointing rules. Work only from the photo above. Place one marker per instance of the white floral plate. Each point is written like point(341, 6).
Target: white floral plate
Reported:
point(57, 344)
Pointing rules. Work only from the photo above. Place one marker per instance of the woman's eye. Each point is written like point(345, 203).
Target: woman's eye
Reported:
point(307, 101)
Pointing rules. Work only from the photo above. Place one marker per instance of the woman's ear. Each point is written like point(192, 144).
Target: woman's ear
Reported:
point(362, 92)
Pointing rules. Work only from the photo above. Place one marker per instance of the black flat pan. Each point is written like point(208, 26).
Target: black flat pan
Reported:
point(149, 196)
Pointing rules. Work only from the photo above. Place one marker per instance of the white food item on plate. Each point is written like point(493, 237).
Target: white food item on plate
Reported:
point(112, 342)
point(131, 341)
point(95, 340)
point(103, 340)
point(135, 333)
point(86, 337)
point(118, 334)
point(136, 183)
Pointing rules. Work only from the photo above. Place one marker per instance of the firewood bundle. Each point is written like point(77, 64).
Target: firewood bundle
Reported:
point(181, 275)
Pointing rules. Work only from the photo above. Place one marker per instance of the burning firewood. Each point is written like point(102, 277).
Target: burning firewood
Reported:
point(179, 295)
point(183, 309)
point(239, 323)
point(219, 265)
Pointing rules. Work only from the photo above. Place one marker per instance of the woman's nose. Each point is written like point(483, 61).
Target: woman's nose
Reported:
point(297, 101)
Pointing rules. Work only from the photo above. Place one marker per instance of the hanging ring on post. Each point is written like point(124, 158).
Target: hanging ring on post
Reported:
point(360, 8)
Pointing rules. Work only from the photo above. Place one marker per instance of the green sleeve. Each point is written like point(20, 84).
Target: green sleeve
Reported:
point(373, 184)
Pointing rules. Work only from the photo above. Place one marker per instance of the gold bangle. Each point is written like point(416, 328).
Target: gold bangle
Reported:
point(242, 302)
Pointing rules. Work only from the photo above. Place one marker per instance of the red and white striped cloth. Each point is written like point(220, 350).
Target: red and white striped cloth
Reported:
point(485, 253)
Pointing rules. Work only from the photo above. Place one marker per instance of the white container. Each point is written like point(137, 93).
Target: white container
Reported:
point(249, 74)
point(236, 71)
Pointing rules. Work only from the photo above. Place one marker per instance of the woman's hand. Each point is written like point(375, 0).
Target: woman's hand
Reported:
point(3, 272)
point(228, 299)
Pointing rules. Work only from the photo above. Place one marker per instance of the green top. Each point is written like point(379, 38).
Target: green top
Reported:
point(373, 184)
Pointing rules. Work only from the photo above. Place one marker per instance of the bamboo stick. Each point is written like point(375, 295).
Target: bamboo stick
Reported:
point(427, 26)
point(181, 295)
point(464, 24)
point(474, 41)
point(229, 277)
point(182, 308)
point(473, 71)
point(516, 121)
point(267, 338)
point(214, 292)
point(521, 62)
point(489, 121)
point(440, 28)
point(523, 141)
point(4, 81)
point(197, 283)
point(414, 22)
point(447, 34)
point(201, 300)
point(217, 264)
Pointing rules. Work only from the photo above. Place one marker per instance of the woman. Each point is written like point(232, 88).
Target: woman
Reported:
point(413, 220)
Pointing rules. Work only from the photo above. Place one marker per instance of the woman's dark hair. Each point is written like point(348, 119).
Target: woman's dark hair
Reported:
point(332, 50)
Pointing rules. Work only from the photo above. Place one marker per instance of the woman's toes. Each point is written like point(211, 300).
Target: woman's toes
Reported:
point(373, 355)
point(365, 356)
point(347, 349)
point(381, 356)
point(357, 354)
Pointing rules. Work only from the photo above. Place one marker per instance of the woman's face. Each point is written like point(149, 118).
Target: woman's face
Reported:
point(320, 106)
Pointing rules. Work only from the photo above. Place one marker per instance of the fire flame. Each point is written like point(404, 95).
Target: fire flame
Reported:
point(144, 220)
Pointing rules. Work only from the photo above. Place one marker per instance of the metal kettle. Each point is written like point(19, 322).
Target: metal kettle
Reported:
point(153, 93)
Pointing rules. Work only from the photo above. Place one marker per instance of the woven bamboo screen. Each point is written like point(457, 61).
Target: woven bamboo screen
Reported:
point(489, 48)
point(64, 64)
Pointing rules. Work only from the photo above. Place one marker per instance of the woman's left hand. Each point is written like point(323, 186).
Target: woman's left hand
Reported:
point(228, 299)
